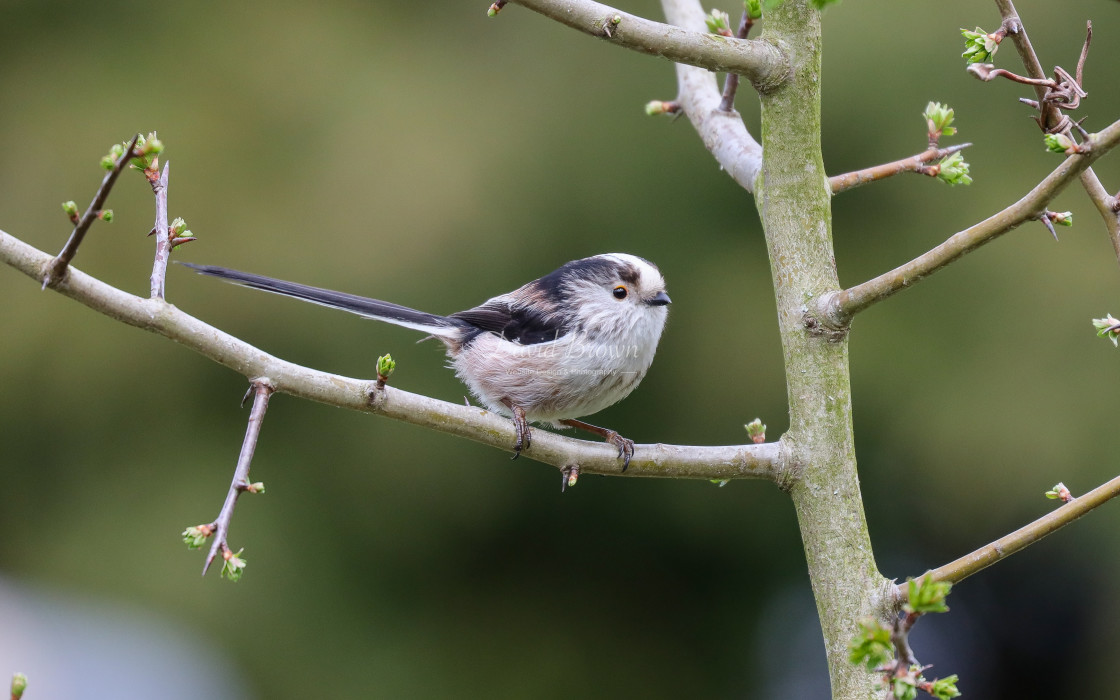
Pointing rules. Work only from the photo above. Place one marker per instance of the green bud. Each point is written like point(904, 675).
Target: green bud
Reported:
point(871, 647)
point(1105, 328)
point(196, 536)
point(926, 595)
point(1059, 143)
point(756, 430)
point(657, 107)
point(945, 688)
point(494, 9)
point(904, 688)
point(70, 208)
point(953, 170)
point(19, 684)
point(233, 566)
point(753, 8)
point(939, 120)
point(110, 160)
point(979, 46)
point(385, 366)
point(1061, 218)
point(106, 215)
point(178, 225)
point(719, 22)
point(255, 487)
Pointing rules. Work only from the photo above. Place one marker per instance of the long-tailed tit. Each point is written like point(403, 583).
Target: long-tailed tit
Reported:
point(564, 346)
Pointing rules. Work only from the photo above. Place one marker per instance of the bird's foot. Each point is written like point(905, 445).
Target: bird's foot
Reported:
point(625, 446)
point(521, 427)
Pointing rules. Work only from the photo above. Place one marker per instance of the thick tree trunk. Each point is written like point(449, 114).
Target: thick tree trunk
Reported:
point(793, 199)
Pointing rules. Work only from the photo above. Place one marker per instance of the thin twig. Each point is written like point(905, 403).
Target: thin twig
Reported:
point(731, 82)
point(989, 554)
point(163, 236)
point(760, 62)
point(765, 461)
point(836, 309)
point(847, 181)
point(58, 266)
point(261, 390)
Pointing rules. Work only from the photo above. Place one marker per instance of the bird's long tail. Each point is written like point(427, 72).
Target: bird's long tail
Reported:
point(440, 326)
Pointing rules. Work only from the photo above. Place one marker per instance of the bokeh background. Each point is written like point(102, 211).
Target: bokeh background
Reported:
point(425, 154)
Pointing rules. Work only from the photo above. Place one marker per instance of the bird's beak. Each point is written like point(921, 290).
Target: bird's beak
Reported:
point(661, 299)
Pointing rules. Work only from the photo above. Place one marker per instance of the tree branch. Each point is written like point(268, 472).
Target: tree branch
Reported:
point(163, 235)
point(758, 61)
point(913, 164)
point(836, 309)
point(765, 461)
point(1105, 203)
point(723, 132)
point(261, 390)
point(989, 554)
point(58, 266)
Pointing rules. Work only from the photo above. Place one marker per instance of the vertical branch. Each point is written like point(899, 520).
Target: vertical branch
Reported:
point(261, 390)
point(57, 267)
point(794, 201)
point(162, 234)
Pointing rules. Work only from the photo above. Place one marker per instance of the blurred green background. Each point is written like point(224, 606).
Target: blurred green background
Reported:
point(424, 154)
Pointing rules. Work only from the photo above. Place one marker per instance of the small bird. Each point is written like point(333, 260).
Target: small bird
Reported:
point(561, 347)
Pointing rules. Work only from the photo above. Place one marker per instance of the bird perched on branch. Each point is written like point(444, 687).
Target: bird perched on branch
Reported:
point(561, 347)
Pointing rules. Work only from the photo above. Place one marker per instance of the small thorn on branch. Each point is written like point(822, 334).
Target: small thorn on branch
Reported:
point(1061, 218)
point(261, 389)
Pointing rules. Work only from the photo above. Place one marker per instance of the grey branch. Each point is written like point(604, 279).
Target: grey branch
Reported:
point(723, 132)
point(261, 389)
point(1025, 536)
point(163, 235)
point(913, 164)
point(765, 461)
point(758, 61)
point(837, 308)
point(54, 273)
point(1105, 203)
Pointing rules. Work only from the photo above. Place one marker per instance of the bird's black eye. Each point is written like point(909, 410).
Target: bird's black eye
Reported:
point(620, 292)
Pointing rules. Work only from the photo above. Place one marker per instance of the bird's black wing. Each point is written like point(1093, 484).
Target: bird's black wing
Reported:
point(516, 323)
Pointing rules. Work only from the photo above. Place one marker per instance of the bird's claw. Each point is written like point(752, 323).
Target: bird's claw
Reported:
point(625, 448)
point(521, 427)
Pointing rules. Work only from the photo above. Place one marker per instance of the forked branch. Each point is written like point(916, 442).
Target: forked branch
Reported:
point(836, 310)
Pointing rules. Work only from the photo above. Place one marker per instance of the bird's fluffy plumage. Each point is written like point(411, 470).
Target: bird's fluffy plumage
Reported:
point(560, 347)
